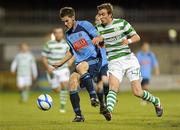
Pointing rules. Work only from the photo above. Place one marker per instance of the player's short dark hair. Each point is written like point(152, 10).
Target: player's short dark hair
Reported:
point(107, 6)
point(67, 11)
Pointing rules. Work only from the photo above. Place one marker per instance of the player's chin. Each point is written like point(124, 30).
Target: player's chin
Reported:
point(68, 27)
point(103, 21)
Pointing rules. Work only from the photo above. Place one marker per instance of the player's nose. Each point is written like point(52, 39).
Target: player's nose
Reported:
point(65, 23)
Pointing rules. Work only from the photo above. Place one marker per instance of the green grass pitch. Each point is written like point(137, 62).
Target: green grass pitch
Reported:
point(128, 114)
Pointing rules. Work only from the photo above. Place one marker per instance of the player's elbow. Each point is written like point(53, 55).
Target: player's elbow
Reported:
point(138, 38)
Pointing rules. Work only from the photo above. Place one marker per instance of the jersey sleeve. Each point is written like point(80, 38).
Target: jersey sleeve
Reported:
point(154, 62)
point(67, 47)
point(34, 67)
point(14, 64)
point(45, 50)
point(128, 29)
point(90, 29)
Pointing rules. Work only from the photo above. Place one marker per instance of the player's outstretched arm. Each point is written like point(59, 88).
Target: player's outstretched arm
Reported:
point(64, 60)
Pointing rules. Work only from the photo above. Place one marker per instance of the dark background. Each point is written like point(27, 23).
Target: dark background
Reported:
point(85, 4)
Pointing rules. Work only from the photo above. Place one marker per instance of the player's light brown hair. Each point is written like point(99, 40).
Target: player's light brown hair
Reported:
point(67, 11)
point(23, 44)
point(107, 6)
point(56, 28)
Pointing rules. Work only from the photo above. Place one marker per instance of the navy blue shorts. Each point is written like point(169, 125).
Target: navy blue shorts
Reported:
point(95, 68)
point(145, 81)
point(103, 72)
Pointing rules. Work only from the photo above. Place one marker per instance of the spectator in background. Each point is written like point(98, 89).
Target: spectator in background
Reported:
point(53, 51)
point(24, 66)
point(148, 62)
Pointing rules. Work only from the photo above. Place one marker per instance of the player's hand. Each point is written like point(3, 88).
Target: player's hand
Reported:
point(50, 70)
point(156, 72)
point(58, 64)
point(13, 73)
point(124, 42)
point(34, 78)
point(97, 40)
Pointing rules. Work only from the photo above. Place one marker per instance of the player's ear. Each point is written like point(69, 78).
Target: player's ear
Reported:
point(73, 18)
point(110, 15)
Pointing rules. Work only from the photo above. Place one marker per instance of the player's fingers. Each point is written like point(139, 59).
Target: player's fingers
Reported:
point(94, 41)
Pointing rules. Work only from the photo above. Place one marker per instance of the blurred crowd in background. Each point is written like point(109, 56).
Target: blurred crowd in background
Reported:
point(157, 23)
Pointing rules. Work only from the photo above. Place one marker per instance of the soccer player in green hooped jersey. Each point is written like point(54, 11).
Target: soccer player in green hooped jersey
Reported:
point(117, 34)
point(24, 66)
point(53, 51)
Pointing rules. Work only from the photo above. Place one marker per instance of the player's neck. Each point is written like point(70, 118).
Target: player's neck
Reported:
point(74, 25)
point(58, 40)
point(109, 22)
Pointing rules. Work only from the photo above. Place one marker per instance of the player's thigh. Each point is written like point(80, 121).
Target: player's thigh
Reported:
point(133, 70)
point(116, 68)
point(99, 86)
point(24, 82)
point(64, 76)
point(105, 79)
point(20, 83)
point(82, 67)
point(104, 74)
point(53, 80)
point(74, 81)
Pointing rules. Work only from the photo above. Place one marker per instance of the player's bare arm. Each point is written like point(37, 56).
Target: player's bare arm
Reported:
point(71, 61)
point(64, 60)
point(133, 39)
point(46, 65)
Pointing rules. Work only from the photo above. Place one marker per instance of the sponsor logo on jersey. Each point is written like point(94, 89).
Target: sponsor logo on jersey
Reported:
point(82, 43)
point(111, 39)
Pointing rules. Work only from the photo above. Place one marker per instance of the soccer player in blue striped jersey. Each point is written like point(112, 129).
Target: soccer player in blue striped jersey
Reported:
point(81, 37)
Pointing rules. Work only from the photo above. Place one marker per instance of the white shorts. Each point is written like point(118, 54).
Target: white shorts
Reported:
point(24, 81)
point(59, 76)
point(127, 65)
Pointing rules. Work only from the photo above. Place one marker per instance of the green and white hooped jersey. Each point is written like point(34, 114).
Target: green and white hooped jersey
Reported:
point(55, 51)
point(24, 64)
point(113, 35)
